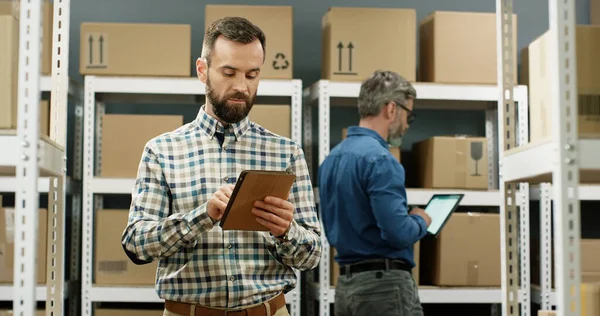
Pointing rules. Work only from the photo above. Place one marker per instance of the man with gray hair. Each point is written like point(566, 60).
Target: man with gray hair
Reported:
point(364, 206)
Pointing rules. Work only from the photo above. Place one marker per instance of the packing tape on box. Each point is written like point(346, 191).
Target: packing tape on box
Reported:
point(472, 272)
point(460, 167)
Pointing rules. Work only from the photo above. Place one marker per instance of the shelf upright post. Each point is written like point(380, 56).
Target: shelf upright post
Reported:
point(27, 172)
point(324, 147)
point(545, 246)
point(58, 133)
point(296, 105)
point(520, 97)
point(563, 78)
point(507, 119)
point(87, 196)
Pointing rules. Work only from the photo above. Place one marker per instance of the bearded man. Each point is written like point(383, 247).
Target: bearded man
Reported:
point(364, 205)
point(185, 180)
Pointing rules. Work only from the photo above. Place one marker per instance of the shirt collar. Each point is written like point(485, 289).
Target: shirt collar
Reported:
point(211, 125)
point(362, 131)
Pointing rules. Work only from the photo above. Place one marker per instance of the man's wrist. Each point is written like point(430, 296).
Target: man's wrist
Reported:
point(286, 236)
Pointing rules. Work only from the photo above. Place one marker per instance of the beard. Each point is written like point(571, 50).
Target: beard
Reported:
point(229, 113)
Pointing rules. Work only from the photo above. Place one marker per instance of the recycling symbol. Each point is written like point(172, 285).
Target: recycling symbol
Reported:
point(280, 62)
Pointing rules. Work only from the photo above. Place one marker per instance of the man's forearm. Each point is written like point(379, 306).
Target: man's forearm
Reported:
point(303, 249)
point(149, 239)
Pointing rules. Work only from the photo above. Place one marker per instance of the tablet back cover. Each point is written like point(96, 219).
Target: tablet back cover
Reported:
point(253, 186)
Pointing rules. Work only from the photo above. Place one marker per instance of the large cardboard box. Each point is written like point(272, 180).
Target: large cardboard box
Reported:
point(588, 84)
point(10, 313)
point(12, 7)
point(359, 41)
point(131, 49)
point(590, 256)
point(9, 65)
point(124, 137)
point(394, 150)
point(111, 264)
point(465, 253)
point(460, 47)
point(275, 118)
point(7, 245)
point(446, 162)
point(277, 24)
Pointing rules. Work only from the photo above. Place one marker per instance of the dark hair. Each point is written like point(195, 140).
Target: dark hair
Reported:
point(233, 28)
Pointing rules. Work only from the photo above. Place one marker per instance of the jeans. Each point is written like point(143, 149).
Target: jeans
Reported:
point(389, 293)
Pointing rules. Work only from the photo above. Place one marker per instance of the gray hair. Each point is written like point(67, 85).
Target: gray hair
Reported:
point(381, 88)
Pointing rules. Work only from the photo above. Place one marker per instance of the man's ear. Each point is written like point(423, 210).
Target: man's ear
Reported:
point(202, 69)
point(390, 110)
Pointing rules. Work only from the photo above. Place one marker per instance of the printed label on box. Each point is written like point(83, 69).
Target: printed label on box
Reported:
point(345, 64)
point(96, 51)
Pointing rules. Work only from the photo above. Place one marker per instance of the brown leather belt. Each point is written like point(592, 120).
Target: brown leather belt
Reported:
point(259, 310)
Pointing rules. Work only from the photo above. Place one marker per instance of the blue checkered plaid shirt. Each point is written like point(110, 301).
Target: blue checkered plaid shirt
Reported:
point(199, 262)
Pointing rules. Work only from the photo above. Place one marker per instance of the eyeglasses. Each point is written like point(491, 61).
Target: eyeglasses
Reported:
point(411, 116)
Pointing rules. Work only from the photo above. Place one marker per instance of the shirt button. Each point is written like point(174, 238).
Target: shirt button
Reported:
point(232, 278)
point(229, 246)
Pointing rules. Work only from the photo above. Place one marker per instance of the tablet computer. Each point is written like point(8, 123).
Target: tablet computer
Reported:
point(440, 207)
point(253, 185)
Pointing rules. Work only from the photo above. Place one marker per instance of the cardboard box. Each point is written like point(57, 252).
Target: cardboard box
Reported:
point(277, 24)
point(10, 313)
point(588, 84)
point(460, 47)
point(12, 7)
point(275, 118)
point(129, 49)
point(7, 245)
point(546, 313)
point(446, 162)
point(111, 264)
point(9, 71)
point(394, 150)
point(590, 256)
point(124, 137)
point(359, 41)
point(465, 253)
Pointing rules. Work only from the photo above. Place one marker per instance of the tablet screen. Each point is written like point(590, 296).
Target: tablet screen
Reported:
point(439, 208)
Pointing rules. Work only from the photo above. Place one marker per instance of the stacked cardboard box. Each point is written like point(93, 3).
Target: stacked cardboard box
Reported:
point(275, 118)
point(7, 245)
point(135, 49)
point(447, 162)
point(590, 255)
point(465, 253)
point(460, 47)
point(7, 312)
point(111, 264)
point(535, 75)
point(358, 41)
point(277, 24)
point(9, 60)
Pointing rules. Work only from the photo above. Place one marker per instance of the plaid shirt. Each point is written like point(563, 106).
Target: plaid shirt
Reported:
point(199, 262)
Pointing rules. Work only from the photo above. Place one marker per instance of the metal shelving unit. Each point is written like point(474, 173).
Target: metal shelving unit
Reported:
point(326, 94)
point(27, 157)
point(558, 161)
point(97, 87)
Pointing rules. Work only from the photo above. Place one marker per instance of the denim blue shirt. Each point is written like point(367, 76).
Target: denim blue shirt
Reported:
point(363, 201)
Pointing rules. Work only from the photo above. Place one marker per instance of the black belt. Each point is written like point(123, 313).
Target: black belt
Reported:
point(384, 264)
